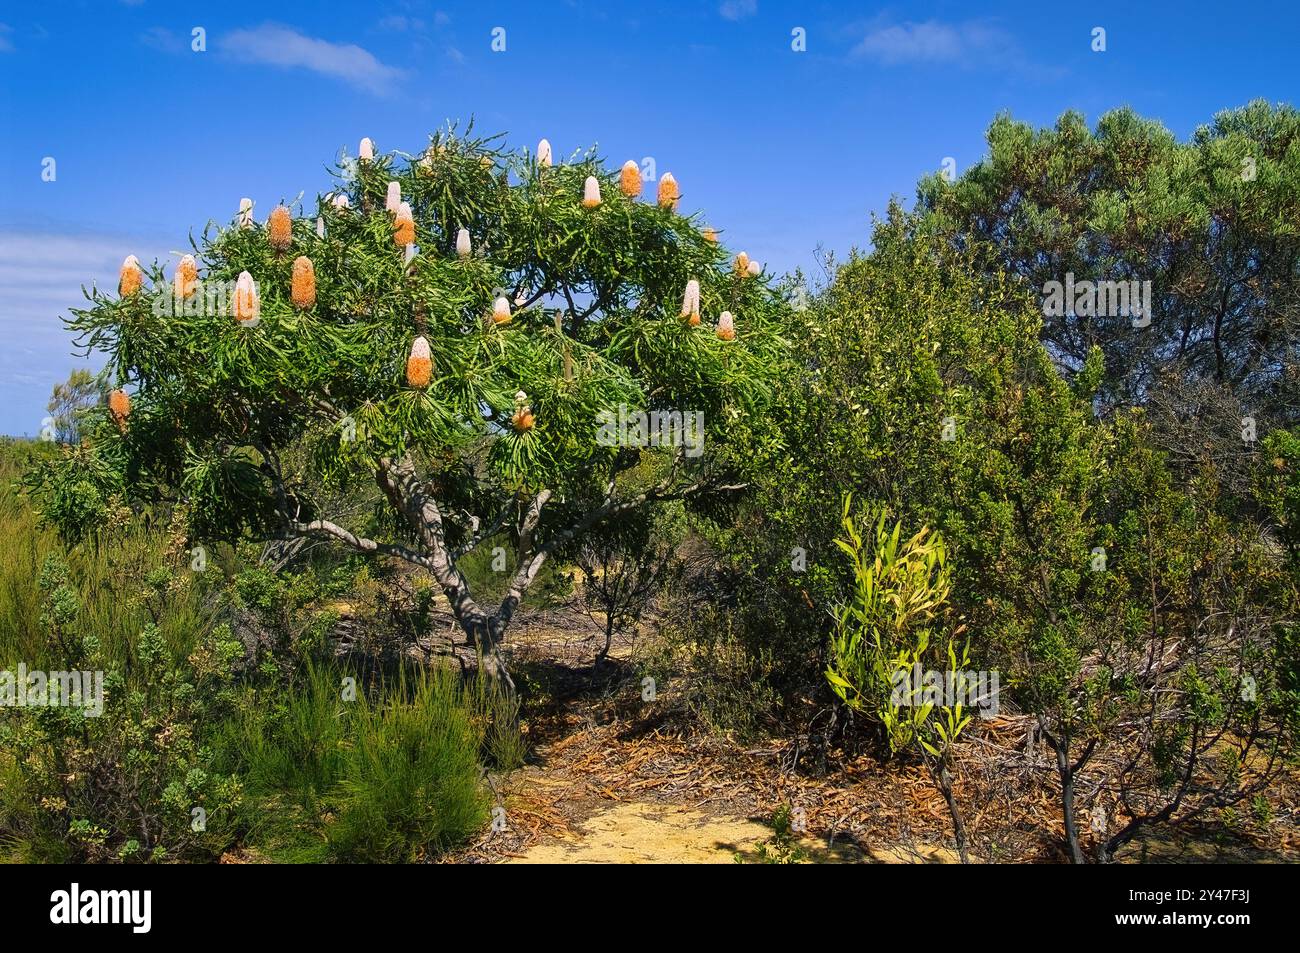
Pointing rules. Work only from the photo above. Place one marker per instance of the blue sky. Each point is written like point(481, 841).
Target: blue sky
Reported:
point(783, 150)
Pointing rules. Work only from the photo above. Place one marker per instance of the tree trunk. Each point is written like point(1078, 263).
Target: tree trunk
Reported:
point(486, 634)
point(1067, 804)
point(942, 777)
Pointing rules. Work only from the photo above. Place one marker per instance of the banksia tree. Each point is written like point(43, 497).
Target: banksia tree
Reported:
point(243, 419)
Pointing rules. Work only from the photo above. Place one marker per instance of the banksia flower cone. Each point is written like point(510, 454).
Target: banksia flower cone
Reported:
point(691, 299)
point(710, 236)
point(279, 228)
point(544, 153)
point(248, 307)
point(366, 151)
point(245, 213)
point(669, 194)
point(394, 197)
point(753, 269)
point(501, 311)
point(186, 281)
point(119, 408)
point(340, 201)
point(130, 277)
point(629, 179)
point(742, 263)
point(462, 243)
point(404, 225)
point(726, 326)
point(303, 291)
point(523, 415)
point(591, 192)
point(419, 366)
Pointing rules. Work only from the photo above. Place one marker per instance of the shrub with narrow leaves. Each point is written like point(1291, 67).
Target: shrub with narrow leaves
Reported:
point(579, 311)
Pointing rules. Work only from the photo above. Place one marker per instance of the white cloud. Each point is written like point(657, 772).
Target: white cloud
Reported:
point(738, 9)
point(400, 24)
point(282, 46)
point(161, 38)
point(966, 44)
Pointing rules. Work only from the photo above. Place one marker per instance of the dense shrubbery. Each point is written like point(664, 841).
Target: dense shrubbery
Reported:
point(208, 741)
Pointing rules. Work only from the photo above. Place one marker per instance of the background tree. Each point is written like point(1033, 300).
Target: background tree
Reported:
point(624, 565)
point(1213, 223)
point(463, 376)
point(69, 401)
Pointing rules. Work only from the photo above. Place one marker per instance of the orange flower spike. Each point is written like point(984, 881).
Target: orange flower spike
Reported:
point(669, 193)
point(279, 228)
point(419, 365)
point(629, 179)
point(248, 306)
point(742, 264)
point(404, 225)
point(119, 408)
point(522, 419)
point(710, 236)
point(130, 277)
point(186, 280)
point(303, 291)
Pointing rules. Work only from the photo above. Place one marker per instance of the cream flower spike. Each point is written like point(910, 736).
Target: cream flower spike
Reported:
point(248, 306)
point(726, 326)
point(501, 310)
point(591, 192)
point(691, 299)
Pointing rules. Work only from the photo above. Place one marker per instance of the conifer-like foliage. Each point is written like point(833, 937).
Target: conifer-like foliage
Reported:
point(539, 310)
